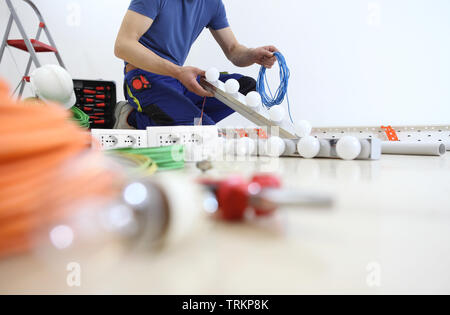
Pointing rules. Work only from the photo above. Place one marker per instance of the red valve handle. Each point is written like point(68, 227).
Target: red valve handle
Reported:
point(266, 181)
point(233, 195)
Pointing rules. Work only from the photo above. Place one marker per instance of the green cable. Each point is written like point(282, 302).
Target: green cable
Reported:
point(136, 163)
point(166, 158)
point(80, 117)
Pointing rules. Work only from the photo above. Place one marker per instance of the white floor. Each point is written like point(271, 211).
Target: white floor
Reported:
point(389, 232)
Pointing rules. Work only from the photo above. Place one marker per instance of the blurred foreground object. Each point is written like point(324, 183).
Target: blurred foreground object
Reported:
point(57, 193)
point(165, 209)
point(262, 195)
point(80, 117)
point(46, 168)
point(166, 158)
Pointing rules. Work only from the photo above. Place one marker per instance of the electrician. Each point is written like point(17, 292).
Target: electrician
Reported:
point(154, 41)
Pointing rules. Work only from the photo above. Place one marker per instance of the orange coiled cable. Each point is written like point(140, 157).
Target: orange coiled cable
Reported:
point(47, 168)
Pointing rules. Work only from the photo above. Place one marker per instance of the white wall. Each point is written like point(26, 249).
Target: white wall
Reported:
point(353, 62)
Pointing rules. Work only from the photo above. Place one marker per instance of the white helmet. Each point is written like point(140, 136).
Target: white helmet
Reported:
point(53, 83)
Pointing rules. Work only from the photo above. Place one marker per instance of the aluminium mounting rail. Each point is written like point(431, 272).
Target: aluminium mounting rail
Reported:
point(260, 118)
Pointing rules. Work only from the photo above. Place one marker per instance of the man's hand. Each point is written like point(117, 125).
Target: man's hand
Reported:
point(240, 55)
point(264, 56)
point(188, 77)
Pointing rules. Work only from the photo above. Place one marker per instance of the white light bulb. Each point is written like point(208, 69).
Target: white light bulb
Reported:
point(275, 147)
point(262, 147)
point(291, 147)
point(365, 149)
point(325, 148)
point(212, 75)
point(308, 147)
point(221, 146)
point(245, 146)
point(302, 128)
point(193, 152)
point(232, 86)
point(253, 100)
point(348, 148)
point(277, 114)
point(230, 147)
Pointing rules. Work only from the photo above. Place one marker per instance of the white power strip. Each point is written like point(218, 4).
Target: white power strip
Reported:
point(118, 139)
point(200, 141)
point(183, 135)
point(408, 134)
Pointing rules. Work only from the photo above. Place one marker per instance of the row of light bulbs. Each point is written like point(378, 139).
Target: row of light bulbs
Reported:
point(348, 148)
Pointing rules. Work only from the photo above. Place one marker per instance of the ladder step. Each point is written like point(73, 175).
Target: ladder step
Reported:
point(37, 45)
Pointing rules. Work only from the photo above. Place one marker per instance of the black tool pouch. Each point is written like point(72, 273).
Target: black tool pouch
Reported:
point(247, 85)
point(158, 116)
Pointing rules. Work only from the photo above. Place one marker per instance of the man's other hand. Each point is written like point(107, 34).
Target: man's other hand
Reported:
point(188, 77)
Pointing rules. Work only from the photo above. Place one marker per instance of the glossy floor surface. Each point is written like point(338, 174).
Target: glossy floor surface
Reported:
point(388, 232)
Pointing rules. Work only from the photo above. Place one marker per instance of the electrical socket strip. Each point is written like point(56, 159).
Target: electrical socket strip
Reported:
point(118, 139)
point(200, 141)
point(182, 135)
point(407, 134)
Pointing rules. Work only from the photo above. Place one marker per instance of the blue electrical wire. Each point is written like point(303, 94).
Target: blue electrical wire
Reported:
point(282, 90)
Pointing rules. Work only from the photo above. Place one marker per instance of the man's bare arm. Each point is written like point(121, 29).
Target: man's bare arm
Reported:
point(129, 48)
point(240, 55)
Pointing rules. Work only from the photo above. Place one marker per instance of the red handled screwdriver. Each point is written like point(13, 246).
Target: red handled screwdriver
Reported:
point(94, 92)
point(95, 117)
point(98, 88)
point(97, 122)
point(99, 97)
point(86, 91)
point(90, 109)
point(93, 99)
point(95, 105)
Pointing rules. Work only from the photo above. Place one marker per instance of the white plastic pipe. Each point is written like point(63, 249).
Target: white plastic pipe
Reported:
point(403, 148)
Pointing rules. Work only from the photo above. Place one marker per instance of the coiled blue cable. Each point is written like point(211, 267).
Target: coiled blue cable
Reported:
point(282, 90)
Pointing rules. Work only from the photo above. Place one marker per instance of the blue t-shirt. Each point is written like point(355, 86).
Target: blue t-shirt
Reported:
point(177, 24)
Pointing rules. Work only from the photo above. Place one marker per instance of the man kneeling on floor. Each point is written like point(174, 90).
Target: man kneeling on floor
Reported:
point(154, 41)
